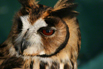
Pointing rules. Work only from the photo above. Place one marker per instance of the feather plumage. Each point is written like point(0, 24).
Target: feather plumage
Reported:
point(28, 47)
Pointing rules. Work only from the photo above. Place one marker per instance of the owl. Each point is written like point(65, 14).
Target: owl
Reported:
point(42, 37)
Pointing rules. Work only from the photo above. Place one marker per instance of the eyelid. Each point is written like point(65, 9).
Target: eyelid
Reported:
point(53, 28)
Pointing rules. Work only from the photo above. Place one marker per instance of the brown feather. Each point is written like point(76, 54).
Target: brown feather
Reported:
point(12, 62)
point(64, 4)
point(64, 8)
point(28, 3)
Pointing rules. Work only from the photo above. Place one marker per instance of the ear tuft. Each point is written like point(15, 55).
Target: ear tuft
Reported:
point(28, 3)
point(64, 8)
point(61, 2)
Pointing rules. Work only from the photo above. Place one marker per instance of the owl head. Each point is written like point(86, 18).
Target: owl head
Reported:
point(39, 30)
point(43, 31)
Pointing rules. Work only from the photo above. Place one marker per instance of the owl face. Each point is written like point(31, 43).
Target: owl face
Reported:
point(43, 37)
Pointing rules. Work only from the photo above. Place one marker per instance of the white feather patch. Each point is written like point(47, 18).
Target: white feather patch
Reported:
point(38, 24)
point(12, 51)
point(26, 25)
point(25, 21)
point(61, 66)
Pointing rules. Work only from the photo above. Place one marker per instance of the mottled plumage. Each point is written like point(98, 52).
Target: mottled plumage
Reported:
point(42, 37)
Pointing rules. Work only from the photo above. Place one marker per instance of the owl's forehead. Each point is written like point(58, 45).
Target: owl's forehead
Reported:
point(37, 24)
point(38, 12)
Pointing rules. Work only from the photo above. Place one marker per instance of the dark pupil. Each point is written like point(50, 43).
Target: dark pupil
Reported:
point(47, 31)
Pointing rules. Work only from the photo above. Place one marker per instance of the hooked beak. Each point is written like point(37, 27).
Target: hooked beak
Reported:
point(24, 45)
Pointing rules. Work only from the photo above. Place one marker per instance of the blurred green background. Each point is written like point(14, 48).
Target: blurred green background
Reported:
point(90, 21)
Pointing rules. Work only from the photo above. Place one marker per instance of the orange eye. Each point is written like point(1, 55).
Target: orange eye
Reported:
point(47, 32)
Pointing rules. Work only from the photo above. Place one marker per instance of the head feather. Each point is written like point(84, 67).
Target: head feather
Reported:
point(60, 3)
point(65, 4)
point(28, 3)
point(64, 8)
point(28, 6)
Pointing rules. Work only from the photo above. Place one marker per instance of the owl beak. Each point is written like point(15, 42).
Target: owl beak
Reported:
point(24, 45)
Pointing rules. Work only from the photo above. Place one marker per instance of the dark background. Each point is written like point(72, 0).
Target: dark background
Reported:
point(90, 21)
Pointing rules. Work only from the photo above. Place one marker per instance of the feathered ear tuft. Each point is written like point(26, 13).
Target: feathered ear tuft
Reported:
point(62, 3)
point(27, 6)
point(28, 3)
point(64, 8)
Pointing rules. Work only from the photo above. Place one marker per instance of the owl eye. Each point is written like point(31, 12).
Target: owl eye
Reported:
point(48, 32)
